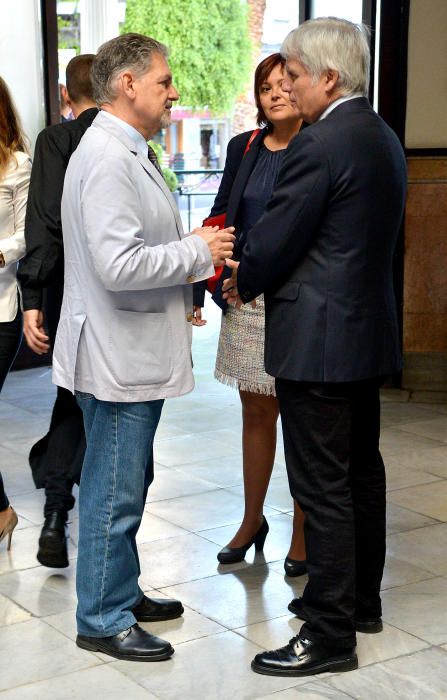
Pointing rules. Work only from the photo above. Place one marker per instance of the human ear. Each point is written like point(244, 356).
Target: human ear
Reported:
point(331, 79)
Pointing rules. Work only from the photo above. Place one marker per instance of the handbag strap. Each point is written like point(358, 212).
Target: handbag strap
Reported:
point(251, 139)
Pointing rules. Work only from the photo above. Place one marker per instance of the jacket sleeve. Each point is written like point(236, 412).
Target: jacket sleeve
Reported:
point(43, 227)
point(290, 223)
point(13, 247)
point(114, 227)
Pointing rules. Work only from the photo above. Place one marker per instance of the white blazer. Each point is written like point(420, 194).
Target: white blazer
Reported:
point(13, 196)
point(125, 328)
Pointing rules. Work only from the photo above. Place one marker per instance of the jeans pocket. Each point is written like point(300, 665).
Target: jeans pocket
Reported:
point(83, 396)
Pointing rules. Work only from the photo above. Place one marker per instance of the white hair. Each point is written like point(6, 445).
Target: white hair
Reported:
point(329, 43)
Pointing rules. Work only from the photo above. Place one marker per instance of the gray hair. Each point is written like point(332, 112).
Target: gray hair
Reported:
point(126, 52)
point(331, 43)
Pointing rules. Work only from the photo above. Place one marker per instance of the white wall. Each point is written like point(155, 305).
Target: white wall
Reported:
point(21, 61)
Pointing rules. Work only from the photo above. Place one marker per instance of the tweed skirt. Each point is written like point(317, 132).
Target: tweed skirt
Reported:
point(240, 353)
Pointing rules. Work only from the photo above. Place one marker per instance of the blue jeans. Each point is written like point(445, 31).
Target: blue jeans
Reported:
point(116, 474)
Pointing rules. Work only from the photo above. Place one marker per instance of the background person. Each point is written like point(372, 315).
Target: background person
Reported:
point(56, 459)
point(15, 168)
point(247, 184)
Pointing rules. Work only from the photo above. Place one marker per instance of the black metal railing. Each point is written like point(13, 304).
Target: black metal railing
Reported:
point(192, 189)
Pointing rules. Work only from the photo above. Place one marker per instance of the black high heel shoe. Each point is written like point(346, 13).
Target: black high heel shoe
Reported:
point(294, 567)
point(231, 555)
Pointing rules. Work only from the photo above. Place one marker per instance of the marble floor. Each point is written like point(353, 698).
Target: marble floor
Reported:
point(230, 612)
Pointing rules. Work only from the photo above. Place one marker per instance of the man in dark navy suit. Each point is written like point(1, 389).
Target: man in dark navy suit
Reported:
point(322, 254)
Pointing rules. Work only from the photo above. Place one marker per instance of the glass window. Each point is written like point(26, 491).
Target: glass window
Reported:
point(345, 9)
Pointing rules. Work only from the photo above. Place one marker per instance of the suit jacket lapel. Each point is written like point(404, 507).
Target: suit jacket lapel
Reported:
point(160, 181)
point(242, 175)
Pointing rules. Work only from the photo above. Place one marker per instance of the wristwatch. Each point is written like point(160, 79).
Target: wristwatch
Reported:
point(2, 260)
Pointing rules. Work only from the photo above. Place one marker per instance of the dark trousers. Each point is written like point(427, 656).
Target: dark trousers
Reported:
point(10, 337)
point(336, 474)
point(56, 459)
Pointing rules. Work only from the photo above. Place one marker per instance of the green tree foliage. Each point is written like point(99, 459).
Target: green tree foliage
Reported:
point(208, 42)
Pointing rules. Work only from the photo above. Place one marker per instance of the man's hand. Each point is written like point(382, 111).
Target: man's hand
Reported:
point(229, 287)
point(33, 331)
point(197, 319)
point(220, 242)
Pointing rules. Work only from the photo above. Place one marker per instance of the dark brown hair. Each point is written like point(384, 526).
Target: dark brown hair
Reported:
point(12, 137)
point(262, 73)
point(79, 82)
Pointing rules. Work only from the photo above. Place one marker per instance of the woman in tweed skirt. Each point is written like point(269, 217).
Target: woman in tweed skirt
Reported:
point(247, 184)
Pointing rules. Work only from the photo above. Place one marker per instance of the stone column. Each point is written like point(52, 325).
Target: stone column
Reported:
point(99, 23)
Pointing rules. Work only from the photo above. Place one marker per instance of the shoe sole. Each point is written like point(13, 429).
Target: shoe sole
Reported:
point(47, 558)
point(334, 667)
point(125, 657)
point(173, 616)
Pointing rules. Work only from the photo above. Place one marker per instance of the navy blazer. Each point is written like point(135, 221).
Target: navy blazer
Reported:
point(234, 180)
point(322, 252)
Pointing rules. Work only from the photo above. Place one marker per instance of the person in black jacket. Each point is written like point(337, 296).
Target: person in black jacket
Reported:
point(56, 459)
point(253, 162)
point(331, 333)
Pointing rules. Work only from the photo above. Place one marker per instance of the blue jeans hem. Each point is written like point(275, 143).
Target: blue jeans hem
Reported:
point(116, 629)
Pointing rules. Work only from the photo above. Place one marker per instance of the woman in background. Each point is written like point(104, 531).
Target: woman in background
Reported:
point(251, 169)
point(15, 169)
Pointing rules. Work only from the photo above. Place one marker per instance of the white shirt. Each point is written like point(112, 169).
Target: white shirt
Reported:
point(339, 101)
point(138, 139)
point(13, 197)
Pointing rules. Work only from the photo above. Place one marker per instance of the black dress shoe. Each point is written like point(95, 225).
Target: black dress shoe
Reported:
point(301, 657)
point(368, 625)
point(156, 609)
point(133, 644)
point(231, 555)
point(294, 567)
point(52, 550)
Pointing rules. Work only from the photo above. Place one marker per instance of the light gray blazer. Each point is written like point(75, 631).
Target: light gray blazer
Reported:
point(125, 327)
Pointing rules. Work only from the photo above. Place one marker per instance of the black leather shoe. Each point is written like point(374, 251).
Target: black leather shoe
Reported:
point(53, 541)
point(133, 644)
point(294, 567)
point(368, 625)
point(156, 609)
point(301, 657)
point(231, 555)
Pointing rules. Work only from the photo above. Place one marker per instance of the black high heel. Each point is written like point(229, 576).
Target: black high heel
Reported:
point(231, 555)
point(295, 567)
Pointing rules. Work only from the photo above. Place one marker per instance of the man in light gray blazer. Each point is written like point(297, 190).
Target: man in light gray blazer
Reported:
point(124, 338)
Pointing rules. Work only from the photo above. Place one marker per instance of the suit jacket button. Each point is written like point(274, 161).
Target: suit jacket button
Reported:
point(189, 317)
point(190, 279)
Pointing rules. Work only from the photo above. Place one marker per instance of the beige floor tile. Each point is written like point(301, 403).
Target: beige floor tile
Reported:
point(433, 461)
point(422, 675)
point(242, 597)
point(173, 483)
point(427, 499)
point(317, 690)
point(215, 668)
point(400, 413)
point(202, 511)
point(36, 651)
point(100, 682)
point(425, 547)
point(177, 559)
point(41, 590)
point(435, 429)
point(399, 476)
point(419, 608)
point(191, 625)
point(188, 450)
point(221, 472)
point(22, 554)
point(394, 441)
point(398, 573)
point(400, 519)
point(10, 613)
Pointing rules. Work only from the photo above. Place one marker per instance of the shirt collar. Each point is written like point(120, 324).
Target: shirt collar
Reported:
point(339, 101)
point(138, 139)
